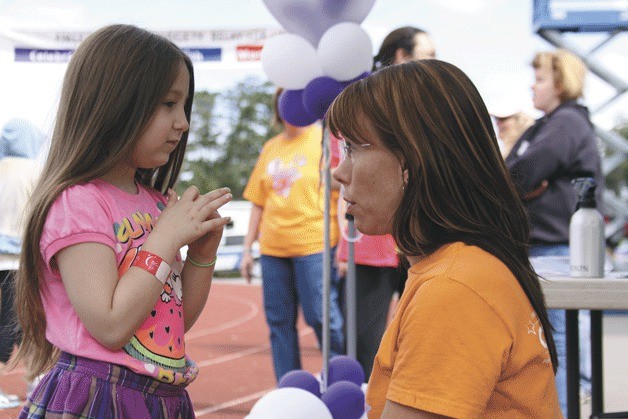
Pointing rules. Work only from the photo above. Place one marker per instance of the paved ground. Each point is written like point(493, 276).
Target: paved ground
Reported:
point(230, 345)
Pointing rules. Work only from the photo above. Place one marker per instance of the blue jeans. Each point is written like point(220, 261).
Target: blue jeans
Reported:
point(288, 282)
point(557, 319)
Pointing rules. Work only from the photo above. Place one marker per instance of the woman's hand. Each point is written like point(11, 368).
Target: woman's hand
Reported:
point(341, 268)
point(538, 191)
point(246, 266)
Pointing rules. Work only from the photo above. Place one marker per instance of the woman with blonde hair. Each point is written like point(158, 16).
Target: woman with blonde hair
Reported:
point(559, 147)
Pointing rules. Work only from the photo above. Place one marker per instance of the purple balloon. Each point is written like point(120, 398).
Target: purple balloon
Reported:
point(345, 368)
point(311, 18)
point(301, 379)
point(345, 400)
point(291, 109)
point(319, 94)
point(360, 77)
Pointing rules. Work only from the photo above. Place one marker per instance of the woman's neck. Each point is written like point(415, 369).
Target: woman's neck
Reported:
point(290, 131)
point(508, 141)
point(506, 148)
point(552, 106)
point(413, 260)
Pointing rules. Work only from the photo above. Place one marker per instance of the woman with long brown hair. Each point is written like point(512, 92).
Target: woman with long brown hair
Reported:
point(471, 336)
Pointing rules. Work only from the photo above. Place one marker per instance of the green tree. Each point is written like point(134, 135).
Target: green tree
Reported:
point(226, 157)
point(618, 178)
point(250, 115)
point(202, 145)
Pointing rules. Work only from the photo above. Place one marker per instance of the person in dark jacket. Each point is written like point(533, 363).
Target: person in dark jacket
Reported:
point(559, 147)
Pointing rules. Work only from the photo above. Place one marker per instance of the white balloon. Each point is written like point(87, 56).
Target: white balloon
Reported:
point(345, 51)
point(290, 61)
point(289, 403)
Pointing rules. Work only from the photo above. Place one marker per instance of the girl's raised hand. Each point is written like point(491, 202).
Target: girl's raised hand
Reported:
point(205, 247)
point(193, 216)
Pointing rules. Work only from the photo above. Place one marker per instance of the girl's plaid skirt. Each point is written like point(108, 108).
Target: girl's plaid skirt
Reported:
point(84, 388)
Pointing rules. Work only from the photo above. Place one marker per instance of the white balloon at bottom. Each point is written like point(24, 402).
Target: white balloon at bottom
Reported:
point(289, 403)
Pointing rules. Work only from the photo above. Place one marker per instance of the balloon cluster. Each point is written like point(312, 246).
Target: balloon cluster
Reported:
point(298, 394)
point(324, 51)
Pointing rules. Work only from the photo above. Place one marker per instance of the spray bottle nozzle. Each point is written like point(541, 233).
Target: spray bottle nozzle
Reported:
point(585, 188)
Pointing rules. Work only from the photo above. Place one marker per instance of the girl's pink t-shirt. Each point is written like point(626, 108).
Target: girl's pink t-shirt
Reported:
point(98, 212)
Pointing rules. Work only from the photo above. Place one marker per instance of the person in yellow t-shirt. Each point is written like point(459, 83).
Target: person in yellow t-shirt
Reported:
point(471, 335)
point(286, 191)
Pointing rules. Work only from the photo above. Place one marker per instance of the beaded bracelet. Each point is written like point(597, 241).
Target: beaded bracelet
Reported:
point(201, 265)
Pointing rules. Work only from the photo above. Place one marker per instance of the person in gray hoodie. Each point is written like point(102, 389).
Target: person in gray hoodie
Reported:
point(20, 142)
point(559, 147)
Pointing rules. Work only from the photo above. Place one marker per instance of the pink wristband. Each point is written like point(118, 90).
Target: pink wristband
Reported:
point(153, 264)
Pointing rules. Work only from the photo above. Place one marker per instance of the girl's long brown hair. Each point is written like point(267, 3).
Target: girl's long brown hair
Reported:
point(431, 116)
point(114, 82)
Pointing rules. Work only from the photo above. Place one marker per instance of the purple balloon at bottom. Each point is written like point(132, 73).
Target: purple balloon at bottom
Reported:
point(343, 367)
point(319, 94)
point(345, 400)
point(301, 379)
point(291, 109)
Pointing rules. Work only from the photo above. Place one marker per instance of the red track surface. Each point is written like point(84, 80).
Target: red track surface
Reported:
point(230, 344)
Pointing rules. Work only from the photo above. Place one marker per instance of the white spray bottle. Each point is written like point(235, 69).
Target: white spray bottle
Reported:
point(586, 233)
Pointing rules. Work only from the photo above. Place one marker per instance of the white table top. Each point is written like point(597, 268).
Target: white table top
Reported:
point(563, 291)
point(610, 293)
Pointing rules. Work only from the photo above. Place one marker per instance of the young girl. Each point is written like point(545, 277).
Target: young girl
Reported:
point(103, 296)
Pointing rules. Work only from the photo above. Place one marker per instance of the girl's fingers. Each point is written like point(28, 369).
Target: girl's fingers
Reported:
point(208, 198)
point(191, 193)
point(216, 194)
point(210, 207)
point(212, 196)
point(171, 197)
point(214, 224)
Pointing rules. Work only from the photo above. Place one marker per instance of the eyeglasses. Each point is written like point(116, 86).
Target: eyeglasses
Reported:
point(347, 149)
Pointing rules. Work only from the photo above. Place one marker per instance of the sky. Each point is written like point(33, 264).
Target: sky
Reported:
point(492, 41)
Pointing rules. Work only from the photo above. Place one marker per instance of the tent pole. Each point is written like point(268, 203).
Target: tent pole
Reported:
point(326, 258)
